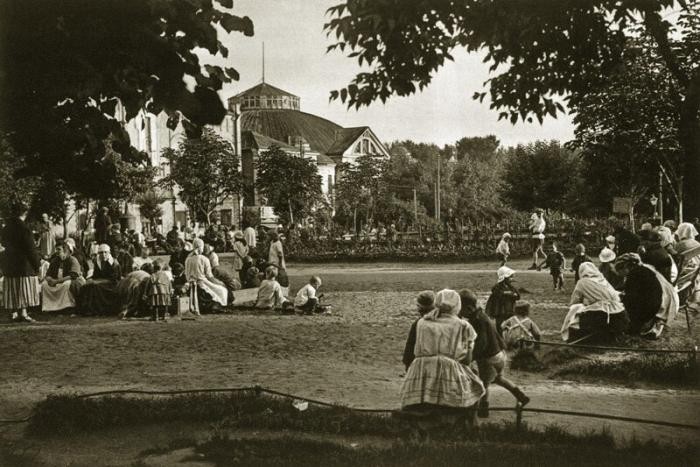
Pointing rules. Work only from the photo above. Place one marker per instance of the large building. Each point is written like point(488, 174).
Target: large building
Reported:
point(258, 118)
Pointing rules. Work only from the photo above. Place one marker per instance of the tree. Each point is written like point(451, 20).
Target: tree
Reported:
point(68, 64)
point(205, 171)
point(360, 186)
point(543, 174)
point(628, 130)
point(477, 148)
point(290, 183)
point(545, 53)
point(150, 206)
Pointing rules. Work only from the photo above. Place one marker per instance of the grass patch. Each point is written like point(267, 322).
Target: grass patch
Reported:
point(656, 368)
point(293, 452)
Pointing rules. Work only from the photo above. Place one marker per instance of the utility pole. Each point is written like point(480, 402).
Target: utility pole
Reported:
point(437, 189)
point(415, 207)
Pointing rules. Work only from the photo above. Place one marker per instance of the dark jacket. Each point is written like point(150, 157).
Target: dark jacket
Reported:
point(111, 272)
point(102, 225)
point(658, 257)
point(578, 261)
point(626, 241)
point(488, 341)
point(70, 266)
point(501, 301)
point(20, 258)
point(642, 296)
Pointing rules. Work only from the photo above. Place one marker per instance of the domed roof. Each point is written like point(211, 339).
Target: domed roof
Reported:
point(287, 125)
point(265, 96)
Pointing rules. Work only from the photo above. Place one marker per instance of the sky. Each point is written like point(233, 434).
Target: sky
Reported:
point(296, 61)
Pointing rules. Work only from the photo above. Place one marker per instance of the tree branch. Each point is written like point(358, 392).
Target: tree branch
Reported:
point(652, 20)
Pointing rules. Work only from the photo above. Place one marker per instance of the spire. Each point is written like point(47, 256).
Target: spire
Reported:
point(263, 62)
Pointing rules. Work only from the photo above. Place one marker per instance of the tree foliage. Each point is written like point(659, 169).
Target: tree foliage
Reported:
point(542, 53)
point(205, 171)
point(67, 64)
point(290, 183)
point(545, 175)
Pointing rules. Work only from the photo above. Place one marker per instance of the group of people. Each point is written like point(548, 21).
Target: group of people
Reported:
point(454, 352)
point(118, 275)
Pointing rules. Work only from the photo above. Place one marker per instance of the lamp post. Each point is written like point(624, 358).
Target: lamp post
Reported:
point(654, 201)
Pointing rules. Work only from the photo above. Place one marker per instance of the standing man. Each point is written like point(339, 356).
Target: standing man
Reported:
point(537, 226)
point(250, 237)
point(102, 225)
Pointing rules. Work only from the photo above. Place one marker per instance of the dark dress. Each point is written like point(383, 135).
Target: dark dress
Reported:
point(658, 257)
point(501, 302)
point(99, 295)
point(102, 225)
point(20, 265)
point(642, 297)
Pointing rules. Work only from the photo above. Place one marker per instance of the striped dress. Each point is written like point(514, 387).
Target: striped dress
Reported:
point(20, 265)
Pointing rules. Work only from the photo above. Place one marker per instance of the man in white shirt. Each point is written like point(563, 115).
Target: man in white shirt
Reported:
point(537, 227)
point(306, 299)
point(250, 237)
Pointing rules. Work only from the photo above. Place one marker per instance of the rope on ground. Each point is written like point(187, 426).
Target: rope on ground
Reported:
point(616, 349)
point(259, 390)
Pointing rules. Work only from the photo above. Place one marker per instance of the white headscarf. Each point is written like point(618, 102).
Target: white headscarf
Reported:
point(104, 248)
point(504, 272)
point(686, 231)
point(447, 302)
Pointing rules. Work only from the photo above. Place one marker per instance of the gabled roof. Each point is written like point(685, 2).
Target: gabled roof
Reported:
point(280, 124)
point(254, 140)
point(325, 160)
point(263, 89)
point(345, 137)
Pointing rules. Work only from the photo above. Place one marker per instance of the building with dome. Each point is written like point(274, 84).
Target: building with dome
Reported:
point(265, 115)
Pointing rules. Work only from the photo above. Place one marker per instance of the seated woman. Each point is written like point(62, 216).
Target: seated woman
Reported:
point(439, 376)
point(99, 294)
point(650, 300)
point(688, 284)
point(270, 295)
point(63, 280)
point(222, 276)
point(205, 294)
point(595, 308)
point(131, 291)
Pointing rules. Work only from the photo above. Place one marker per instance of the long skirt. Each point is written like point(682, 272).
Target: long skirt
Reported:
point(440, 380)
point(99, 297)
point(584, 320)
point(58, 297)
point(204, 294)
point(21, 292)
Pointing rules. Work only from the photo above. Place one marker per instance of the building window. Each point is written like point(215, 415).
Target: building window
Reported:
point(365, 146)
point(330, 183)
point(358, 148)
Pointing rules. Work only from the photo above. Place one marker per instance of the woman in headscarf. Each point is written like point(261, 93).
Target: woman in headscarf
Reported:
point(650, 300)
point(20, 265)
point(500, 303)
point(240, 251)
point(222, 276)
point(688, 284)
point(99, 294)
point(595, 307)
point(64, 278)
point(47, 240)
point(205, 294)
point(439, 374)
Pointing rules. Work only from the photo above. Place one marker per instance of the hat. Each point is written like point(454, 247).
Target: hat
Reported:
point(238, 235)
point(646, 226)
point(506, 235)
point(610, 239)
point(504, 272)
point(671, 224)
point(448, 301)
point(426, 300)
point(103, 248)
point(188, 246)
point(539, 210)
point(607, 255)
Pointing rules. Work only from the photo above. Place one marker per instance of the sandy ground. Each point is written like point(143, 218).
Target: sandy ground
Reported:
point(352, 357)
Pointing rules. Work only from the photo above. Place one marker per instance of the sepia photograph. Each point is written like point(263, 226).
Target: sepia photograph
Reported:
point(349, 233)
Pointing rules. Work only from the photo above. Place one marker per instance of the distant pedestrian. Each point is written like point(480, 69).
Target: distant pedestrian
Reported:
point(537, 228)
point(20, 265)
point(556, 263)
point(503, 249)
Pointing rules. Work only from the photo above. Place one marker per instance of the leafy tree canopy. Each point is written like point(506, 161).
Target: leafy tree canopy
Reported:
point(290, 183)
point(542, 53)
point(68, 63)
point(205, 171)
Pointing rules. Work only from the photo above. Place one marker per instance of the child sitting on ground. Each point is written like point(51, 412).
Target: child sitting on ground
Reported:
point(556, 263)
point(159, 292)
point(306, 300)
point(425, 303)
point(579, 259)
point(250, 274)
point(520, 326)
point(270, 291)
point(503, 249)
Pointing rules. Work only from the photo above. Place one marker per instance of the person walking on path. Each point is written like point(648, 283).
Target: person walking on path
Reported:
point(537, 227)
point(20, 265)
point(489, 352)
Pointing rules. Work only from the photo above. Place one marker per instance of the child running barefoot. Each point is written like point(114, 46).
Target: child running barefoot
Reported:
point(159, 292)
point(556, 263)
point(520, 326)
point(503, 249)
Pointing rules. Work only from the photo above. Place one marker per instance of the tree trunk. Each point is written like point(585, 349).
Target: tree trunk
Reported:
point(291, 215)
point(354, 221)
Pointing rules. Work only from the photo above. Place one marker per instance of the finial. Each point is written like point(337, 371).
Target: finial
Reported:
point(263, 62)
